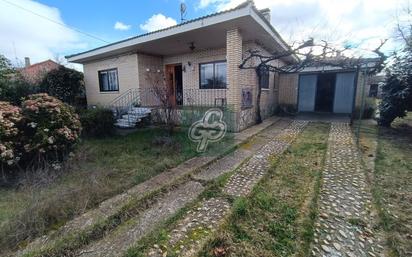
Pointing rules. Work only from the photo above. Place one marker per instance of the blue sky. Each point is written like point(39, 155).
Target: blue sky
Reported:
point(99, 17)
point(24, 33)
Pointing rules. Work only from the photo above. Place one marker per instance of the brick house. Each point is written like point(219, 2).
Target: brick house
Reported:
point(34, 73)
point(200, 60)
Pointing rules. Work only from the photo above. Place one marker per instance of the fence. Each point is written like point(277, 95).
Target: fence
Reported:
point(148, 97)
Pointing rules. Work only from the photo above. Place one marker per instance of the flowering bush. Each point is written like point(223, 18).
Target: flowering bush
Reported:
point(51, 126)
point(10, 122)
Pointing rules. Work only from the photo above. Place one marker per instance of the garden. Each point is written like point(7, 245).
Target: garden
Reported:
point(59, 159)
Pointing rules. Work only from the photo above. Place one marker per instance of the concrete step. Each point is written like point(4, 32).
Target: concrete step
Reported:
point(126, 123)
point(132, 118)
point(140, 110)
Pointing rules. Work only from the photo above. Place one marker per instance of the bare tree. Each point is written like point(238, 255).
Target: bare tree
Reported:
point(164, 98)
point(309, 53)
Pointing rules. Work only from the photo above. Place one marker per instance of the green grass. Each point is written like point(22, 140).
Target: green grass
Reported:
point(391, 181)
point(100, 168)
point(278, 218)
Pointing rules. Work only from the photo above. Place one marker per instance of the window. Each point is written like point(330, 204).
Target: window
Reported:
point(264, 80)
point(108, 80)
point(212, 75)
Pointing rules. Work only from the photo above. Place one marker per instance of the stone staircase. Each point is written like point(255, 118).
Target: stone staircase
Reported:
point(124, 110)
point(132, 117)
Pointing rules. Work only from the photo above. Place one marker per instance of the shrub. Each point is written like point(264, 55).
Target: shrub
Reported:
point(97, 122)
point(65, 84)
point(10, 122)
point(51, 127)
point(14, 91)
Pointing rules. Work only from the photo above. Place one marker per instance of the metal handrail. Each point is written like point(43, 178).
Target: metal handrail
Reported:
point(124, 102)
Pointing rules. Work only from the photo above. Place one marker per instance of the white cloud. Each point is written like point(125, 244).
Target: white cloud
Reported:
point(361, 22)
point(156, 22)
point(25, 34)
point(121, 26)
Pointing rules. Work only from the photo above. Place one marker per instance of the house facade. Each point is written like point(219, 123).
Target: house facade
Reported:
point(200, 61)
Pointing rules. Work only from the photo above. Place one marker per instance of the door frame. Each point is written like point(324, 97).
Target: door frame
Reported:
point(357, 72)
point(333, 95)
point(171, 84)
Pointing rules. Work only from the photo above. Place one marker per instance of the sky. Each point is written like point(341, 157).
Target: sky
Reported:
point(51, 29)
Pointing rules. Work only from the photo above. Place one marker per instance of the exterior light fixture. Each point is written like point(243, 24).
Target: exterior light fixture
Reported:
point(192, 46)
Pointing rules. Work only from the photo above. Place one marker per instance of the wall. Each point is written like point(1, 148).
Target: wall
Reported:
point(148, 78)
point(249, 80)
point(127, 74)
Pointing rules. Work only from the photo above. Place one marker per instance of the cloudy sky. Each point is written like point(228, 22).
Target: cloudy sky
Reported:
point(53, 28)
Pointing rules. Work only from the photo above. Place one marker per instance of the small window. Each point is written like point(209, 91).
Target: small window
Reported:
point(212, 75)
point(275, 85)
point(264, 80)
point(108, 80)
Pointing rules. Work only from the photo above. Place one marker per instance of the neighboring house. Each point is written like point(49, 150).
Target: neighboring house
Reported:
point(34, 73)
point(200, 60)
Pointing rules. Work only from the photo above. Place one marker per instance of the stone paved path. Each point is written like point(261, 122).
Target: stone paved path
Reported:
point(242, 182)
point(189, 235)
point(344, 227)
point(234, 159)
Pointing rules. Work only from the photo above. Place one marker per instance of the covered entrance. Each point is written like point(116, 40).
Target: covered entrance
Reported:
point(329, 92)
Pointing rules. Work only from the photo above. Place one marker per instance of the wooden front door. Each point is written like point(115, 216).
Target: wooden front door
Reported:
point(174, 83)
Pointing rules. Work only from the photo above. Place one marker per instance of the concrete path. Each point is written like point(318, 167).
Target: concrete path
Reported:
point(188, 237)
point(344, 227)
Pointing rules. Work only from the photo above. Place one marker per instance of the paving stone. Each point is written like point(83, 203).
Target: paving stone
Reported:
point(189, 234)
point(242, 182)
point(345, 197)
point(234, 159)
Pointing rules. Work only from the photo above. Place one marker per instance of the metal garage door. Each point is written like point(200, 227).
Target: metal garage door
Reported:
point(307, 93)
point(344, 92)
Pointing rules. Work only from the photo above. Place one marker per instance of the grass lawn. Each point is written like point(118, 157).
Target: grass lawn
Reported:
point(277, 219)
point(99, 169)
point(392, 181)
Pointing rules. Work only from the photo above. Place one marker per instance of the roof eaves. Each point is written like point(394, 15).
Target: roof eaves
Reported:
point(161, 30)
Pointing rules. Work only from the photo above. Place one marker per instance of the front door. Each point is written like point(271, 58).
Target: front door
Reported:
point(174, 83)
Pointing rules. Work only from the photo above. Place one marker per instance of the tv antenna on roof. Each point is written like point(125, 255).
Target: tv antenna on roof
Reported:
point(182, 11)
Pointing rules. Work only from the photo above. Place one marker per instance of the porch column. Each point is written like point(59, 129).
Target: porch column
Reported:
point(233, 60)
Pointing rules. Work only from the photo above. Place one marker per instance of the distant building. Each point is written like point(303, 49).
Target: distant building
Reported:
point(34, 73)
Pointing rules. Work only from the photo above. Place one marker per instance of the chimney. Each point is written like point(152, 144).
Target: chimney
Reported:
point(266, 13)
point(26, 61)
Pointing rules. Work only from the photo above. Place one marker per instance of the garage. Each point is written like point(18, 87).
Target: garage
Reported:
point(327, 92)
